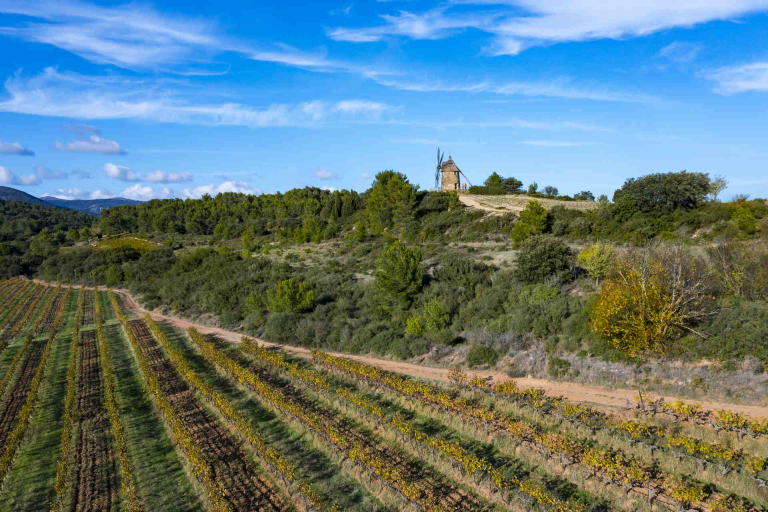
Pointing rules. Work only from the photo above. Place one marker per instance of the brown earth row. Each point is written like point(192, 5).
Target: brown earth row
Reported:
point(242, 485)
point(17, 397)
point(21, 312)
point(95, 465)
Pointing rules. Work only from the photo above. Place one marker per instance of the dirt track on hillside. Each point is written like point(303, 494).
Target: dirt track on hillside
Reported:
point(605, 398)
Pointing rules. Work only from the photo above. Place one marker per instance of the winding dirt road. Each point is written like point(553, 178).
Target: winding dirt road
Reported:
point(609, 399)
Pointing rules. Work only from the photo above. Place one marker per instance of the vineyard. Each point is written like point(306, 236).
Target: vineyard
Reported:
point(106, 409)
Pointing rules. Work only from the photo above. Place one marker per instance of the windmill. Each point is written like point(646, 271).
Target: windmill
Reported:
point(439, 168)
point(448, 175)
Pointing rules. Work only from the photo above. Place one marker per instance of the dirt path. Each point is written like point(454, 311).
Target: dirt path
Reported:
point(607, 398)
point(499, 205)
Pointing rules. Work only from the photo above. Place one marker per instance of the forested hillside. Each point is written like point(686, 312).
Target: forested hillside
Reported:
point(663, 271)
point(30, 233)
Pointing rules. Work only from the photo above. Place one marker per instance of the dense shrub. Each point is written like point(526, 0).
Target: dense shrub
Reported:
point(533, 221)
point(290, 296)
point(542, 258)
point(481, 354)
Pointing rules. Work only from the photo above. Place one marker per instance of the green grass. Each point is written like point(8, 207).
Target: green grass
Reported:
point(107, 311)
point(30, 483)
point(161, 481)
point(311, 464)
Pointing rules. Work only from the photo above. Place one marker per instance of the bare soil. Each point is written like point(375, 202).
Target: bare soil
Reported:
point(95, 466)
point(241, 483)
point(516, 203)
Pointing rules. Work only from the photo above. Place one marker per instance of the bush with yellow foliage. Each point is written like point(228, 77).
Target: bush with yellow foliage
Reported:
point(653, 297)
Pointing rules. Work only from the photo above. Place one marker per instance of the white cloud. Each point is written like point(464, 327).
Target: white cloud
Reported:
point(142, 193)
point(325, 174)
point(519, 24)
point(167, 177)
point(119, 172)
point(29, 180)
point(741, 78)
point(329, 189)
point(78, 193)
point(213, 190)
point(6, 176)
point(83, 175)
point(14, 148)
point(130, 36)
point(681, 52)
point(9, 178)
point(558, 88)
point(365, 175)
point(358, 106)
point(554, 143)
point(433, 24)
point(60, 94)
point(93, 144)
point(46, 173)
point(80, 129)
point(122, 173)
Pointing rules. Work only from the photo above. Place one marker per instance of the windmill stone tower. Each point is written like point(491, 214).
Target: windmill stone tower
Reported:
point(450, 176)
point(447, 174)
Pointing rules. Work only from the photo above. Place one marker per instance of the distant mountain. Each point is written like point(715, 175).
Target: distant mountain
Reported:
point(11, 194)
point(89, 206)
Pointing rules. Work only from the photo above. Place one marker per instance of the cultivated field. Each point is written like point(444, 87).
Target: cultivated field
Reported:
point(106, 408)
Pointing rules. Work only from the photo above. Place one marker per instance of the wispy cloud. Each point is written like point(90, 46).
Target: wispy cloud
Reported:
point(93, 144)
point(555, 143)
point(131, 36)
point(559, 88)
point(81, 130)
point(46, 173)
point(60, 94)
point(681, 52)
point(14, 148)
point(740, 78)
point(519, 24)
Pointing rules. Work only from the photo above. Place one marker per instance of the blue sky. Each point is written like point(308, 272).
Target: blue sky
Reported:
point(176, 99)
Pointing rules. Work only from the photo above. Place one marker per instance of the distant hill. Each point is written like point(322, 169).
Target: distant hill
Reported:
point(89, 206)
point(11, 194)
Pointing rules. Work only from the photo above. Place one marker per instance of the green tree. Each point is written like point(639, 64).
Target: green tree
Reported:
point(399, 273)
point(290, 296)
point(533, 221)
point(114, 276)
point(493, 181)
point(718, 184)
point(360, 232)
point(598, 259)
point(544, 257)
point(551, 191)
point(511, 185)
point(390, 199)
point(435, 315)
point(586, 195)
point(660, 194)
point(533, 188)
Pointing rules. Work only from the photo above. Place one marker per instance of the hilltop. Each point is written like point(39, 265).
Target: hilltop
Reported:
point(89, 206)
point(11, 194)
